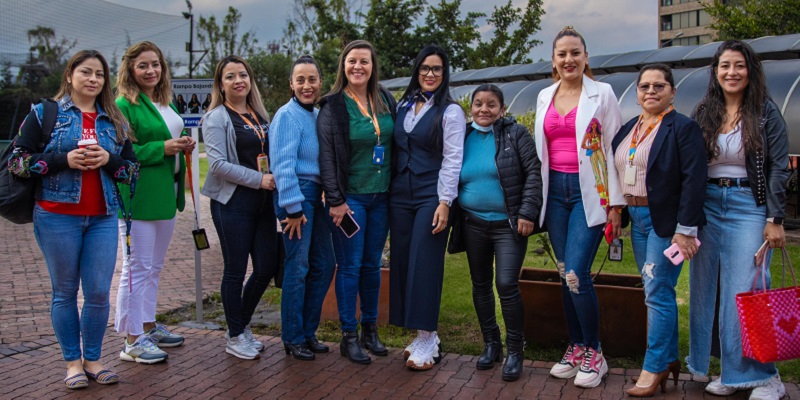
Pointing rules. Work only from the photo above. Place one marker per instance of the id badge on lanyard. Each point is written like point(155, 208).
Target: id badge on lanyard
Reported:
point(377, 155)
point(263, 163)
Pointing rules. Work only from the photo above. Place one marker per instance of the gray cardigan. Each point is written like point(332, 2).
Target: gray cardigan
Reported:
point(224, 171)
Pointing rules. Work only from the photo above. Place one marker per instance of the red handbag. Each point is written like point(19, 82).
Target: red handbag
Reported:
point(770, 319)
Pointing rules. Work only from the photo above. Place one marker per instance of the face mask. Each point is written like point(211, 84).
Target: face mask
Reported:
point(483, 129)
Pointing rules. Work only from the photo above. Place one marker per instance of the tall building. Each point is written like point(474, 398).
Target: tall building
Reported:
point(683, 23)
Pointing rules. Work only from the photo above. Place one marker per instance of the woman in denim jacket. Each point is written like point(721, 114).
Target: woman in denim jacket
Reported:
point(75, 218)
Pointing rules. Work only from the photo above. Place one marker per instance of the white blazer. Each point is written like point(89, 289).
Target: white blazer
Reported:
point(597, 101)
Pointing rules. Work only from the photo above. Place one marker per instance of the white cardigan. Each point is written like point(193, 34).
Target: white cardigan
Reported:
point(597, 101)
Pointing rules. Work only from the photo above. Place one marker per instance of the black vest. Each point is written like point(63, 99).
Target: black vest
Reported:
point(416, 150)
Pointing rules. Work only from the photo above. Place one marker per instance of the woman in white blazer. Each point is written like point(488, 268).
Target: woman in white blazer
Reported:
point(576, 121)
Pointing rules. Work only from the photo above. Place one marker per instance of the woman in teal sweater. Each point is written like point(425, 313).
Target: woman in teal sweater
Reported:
point(145, 93)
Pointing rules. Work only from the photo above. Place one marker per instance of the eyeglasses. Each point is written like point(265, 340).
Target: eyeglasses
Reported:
point(658, 87)
point(437, 70)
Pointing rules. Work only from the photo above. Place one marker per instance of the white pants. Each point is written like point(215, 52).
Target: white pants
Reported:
point(138, 283)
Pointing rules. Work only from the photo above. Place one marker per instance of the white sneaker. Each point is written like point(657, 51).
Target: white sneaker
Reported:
point(143, 351)
point(592, 369)
point(248, 334)
point(164, 338)
point(240, 347)
point(773, 390)
point(410, 348)
point(426, 353)
point(570, 363)
point(716, 388)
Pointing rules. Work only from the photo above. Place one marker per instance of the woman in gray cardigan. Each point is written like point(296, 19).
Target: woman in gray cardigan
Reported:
point(240, 187)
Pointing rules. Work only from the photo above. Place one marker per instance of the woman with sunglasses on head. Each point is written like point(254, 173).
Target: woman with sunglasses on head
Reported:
point(240, 186)
point(355, 127)
point(309, 262)
point(429, 143)
point(660, 161)
point(75, 216)
point(579, 118)
point(500, 194)
point(747, 150)
point(144, 93)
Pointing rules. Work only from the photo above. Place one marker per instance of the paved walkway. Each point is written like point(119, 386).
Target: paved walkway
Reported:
point(31, 366)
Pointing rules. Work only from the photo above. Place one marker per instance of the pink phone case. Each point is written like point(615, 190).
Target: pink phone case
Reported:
point(674, 253)
point(358, 228)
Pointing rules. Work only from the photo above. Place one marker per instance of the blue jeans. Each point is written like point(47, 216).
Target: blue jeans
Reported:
point(246, 229)
point(724, 263)
point(575, 245)
point(79, 251)
point(659, 277)
point(358, 259)
point(308, 268)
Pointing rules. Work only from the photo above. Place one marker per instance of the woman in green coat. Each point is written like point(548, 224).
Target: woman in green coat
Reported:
point(145, 94)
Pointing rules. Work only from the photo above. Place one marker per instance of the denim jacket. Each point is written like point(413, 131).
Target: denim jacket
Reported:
point(59, 182)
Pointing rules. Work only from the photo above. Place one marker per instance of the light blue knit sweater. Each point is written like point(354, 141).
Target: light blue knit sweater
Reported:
point(293, 152)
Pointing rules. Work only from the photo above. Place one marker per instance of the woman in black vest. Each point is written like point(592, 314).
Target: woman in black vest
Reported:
point(429, 145)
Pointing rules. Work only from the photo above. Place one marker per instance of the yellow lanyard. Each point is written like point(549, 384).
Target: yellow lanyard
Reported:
point(257, 129)
point(365, 113)
point(635, 140)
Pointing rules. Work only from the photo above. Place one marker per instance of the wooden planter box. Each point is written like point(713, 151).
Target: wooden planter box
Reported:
point(623, 314)
point(330, 310)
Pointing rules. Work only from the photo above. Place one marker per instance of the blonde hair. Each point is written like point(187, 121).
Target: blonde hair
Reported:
point(253, 98)
point(570, 31)
point(105, 98)
point(127, 86)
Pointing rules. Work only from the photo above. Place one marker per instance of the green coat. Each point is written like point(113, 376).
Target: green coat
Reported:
point(155, 197)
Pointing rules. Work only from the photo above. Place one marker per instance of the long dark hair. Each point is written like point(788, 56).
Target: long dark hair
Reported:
point(373, 85)
point(711, 114)
point(441, 97)
point(105, 98)
point(218, 96)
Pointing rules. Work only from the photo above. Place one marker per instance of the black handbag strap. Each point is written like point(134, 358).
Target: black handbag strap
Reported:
point(49, 114)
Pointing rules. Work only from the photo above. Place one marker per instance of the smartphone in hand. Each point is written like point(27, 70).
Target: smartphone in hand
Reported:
point(349, 225)
point(674, 252)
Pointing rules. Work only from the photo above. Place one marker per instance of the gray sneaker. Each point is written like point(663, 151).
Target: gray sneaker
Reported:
point(240, 347)
point(144, 351)
point(164, 338)
point(248, 334)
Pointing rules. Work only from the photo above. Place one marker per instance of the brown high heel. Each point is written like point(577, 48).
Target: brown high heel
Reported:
point(673, 367)
point(647, 391)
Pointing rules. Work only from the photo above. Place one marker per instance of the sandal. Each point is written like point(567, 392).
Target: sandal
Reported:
point(104, 377)
point(77, 381)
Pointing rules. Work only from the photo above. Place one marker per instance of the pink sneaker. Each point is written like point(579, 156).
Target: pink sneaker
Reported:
point(592, 369)
point(570, 363)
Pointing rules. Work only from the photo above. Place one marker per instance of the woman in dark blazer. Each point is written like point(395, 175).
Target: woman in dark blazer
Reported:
point(661, 164)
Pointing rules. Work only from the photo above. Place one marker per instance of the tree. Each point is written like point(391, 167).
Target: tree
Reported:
point(388, 28)
point(51, 51)
point(509, 46)
point(748, 19)
point(445, 27)
point(271, 73)
point(222, 41)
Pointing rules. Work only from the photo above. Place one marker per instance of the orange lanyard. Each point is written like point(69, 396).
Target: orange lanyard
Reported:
point(366, 113)
point(257, 129)
point(635, 140)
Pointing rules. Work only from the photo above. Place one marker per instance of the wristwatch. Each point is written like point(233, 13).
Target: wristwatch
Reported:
point(448, 202)
point(776, 220)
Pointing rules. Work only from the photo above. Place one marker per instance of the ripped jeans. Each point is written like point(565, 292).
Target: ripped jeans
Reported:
point(660, 277)
point(575, 245)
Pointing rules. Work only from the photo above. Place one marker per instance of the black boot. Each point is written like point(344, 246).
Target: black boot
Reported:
point(370, 340)
point(512, 369)
point(350, 348)
point(316, 346)
point(492, 350)
point(299, 351)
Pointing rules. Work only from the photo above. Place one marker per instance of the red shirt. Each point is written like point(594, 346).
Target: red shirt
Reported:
point(92, 200)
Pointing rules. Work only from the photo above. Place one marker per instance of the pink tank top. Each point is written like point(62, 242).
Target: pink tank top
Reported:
point(562, 145)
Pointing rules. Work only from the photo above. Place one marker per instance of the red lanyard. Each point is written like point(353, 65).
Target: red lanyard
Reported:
point(635, 140)
point(366, 113)
point(257, 129)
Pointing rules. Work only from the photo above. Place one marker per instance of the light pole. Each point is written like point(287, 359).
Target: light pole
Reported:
point(668, 42)
point(190, 45)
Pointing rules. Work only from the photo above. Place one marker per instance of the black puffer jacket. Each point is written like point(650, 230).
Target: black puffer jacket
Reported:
point(333, 131)
point(519, 169)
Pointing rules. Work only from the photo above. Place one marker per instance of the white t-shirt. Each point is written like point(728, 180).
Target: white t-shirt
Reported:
point(731, 160)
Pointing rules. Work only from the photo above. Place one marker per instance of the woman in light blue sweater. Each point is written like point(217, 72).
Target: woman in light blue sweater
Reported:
point(309, 263)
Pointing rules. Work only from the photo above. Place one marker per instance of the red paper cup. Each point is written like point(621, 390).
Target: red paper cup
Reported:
point(86, 143)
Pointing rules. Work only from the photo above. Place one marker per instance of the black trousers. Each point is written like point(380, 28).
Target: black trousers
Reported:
point(494, 243)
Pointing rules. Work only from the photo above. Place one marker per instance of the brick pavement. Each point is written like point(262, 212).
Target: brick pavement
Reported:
point(31, 366)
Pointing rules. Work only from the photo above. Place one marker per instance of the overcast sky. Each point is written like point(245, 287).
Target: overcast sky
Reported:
point(609, 26)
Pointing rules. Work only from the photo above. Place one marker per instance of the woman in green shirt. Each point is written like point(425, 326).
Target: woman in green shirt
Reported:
point(355, 126)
